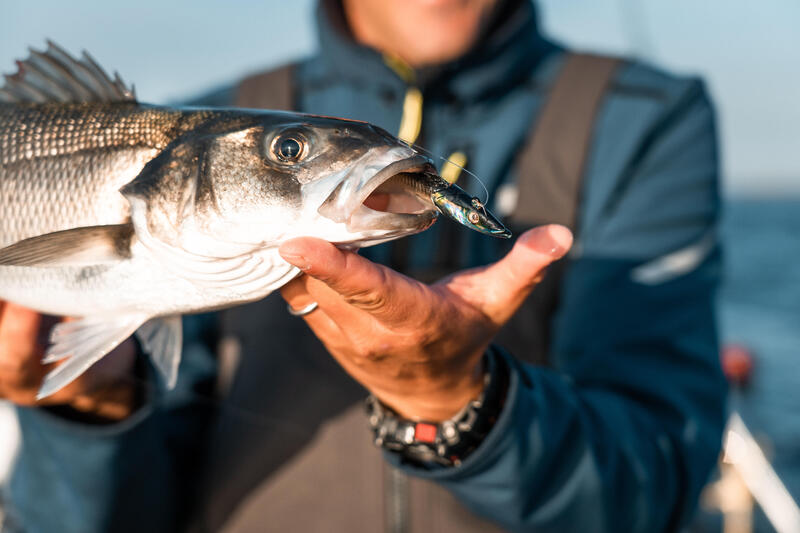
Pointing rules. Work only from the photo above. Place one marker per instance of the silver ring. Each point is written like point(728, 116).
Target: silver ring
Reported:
point(302, 312)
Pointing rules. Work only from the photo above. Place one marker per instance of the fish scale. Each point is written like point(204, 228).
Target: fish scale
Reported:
point(35, 131)
point(72, 160)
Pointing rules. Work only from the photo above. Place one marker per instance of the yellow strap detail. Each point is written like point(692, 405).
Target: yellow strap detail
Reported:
point(400, 67)
point(452, 168)
point(411, 122)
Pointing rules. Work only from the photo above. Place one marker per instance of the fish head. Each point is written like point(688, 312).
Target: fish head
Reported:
point(257, 179)
point(358, 184)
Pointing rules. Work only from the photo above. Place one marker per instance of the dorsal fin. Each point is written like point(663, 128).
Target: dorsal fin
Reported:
point(56, 76)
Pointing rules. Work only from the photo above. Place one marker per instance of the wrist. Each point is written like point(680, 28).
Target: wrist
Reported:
point(112, 404)
point(109, 395)
point(437, 401)
point(447, 442)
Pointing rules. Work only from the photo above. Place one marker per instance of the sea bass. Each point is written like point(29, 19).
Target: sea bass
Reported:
point(129, 215)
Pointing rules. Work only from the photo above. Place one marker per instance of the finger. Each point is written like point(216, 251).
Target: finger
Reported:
point(500, 288)
point(381, 292)
point(19, 329)
point(20, 368)
point(297, 296)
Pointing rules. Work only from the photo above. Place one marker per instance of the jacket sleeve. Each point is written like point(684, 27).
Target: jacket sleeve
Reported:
point(80, 478)
point(622, 432)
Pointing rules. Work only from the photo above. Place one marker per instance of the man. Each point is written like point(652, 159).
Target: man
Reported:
point(616, 433)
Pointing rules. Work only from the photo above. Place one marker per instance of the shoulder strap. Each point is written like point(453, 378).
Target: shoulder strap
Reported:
point(551, 162)
point(273, 89)
point(550, 169)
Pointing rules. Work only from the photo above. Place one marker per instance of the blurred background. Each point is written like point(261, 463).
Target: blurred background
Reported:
point(748, 53)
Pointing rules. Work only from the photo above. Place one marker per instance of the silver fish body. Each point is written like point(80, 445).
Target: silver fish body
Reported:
point(129, 215)
point(62, 167)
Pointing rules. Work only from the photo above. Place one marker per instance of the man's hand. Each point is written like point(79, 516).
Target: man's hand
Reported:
point(417, 347)
point(101, 392)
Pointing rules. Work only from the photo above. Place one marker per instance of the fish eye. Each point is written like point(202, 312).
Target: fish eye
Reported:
point(290, 147)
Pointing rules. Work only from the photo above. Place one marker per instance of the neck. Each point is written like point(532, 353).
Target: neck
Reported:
point(440, 32)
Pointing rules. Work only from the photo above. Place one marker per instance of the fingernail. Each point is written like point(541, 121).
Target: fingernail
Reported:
point(562, 240)
point(554, 240)
point(297, 260)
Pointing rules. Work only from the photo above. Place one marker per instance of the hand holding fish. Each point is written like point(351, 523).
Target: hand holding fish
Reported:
point(102, 392)
point(417, 347)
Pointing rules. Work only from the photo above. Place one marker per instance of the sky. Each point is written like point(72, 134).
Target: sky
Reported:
point(748, 53)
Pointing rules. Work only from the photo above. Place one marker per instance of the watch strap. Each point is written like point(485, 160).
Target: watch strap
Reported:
point(446, 443)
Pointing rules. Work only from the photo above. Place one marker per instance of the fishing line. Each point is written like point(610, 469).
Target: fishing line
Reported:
point(435, 156)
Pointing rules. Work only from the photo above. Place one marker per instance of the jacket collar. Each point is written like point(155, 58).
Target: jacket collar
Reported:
point(503, 56)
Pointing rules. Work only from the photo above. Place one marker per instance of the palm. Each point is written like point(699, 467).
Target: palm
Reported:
point(401, 338)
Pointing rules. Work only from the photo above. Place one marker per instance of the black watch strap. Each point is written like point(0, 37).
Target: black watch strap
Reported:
point(445, 443)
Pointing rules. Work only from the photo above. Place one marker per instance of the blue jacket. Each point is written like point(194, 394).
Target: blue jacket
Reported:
point(619, 434)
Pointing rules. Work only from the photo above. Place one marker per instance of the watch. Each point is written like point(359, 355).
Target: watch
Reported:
point(445, 443)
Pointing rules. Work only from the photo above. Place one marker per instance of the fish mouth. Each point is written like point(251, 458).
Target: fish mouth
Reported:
point(393, 202)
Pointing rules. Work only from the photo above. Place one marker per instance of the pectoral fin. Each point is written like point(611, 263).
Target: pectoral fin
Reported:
point(243, 267)
point(162, 338)
point(81, 344)
point(92, 245)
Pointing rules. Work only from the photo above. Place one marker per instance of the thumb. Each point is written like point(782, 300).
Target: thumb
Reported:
point(501, 287)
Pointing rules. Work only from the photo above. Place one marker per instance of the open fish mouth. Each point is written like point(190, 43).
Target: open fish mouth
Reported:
point(394, 201)
point(377, 201)
point(398, 195)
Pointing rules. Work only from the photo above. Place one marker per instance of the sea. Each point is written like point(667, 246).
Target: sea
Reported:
point(759, 309)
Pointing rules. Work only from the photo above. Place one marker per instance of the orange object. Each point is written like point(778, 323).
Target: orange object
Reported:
point(737, 363)
point(425, 432)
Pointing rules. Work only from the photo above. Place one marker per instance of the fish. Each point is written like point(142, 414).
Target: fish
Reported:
point(128, 215)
